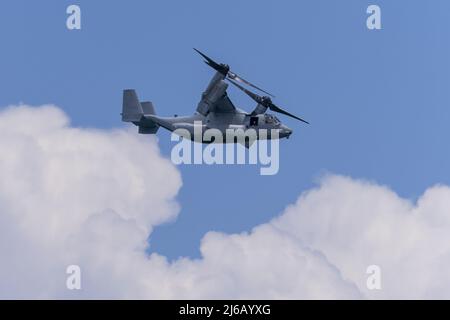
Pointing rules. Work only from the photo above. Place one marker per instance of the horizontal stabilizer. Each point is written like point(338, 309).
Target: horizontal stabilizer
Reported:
point(148, 107)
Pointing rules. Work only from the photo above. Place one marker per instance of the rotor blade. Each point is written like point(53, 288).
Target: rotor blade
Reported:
point(225, 70)
point(279, 110)
point(234, 76)
point(221, 68)
point(252, 95)
point(266, 103)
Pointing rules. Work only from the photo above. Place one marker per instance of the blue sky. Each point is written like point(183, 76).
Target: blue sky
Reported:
point(378, 101)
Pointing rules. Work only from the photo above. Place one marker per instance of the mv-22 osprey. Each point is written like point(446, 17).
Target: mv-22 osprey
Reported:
point(214, 111)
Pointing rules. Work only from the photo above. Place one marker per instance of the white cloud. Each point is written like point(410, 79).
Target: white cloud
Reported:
point(357, 224)
point(56, 178)
point(92, 197)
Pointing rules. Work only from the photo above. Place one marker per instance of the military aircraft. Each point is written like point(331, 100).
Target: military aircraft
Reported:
point(214, 111)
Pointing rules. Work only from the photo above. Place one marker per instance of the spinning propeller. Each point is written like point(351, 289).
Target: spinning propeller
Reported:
point(265, 101)
point(225, 70)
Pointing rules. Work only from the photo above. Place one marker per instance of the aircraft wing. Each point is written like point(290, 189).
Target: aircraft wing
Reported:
point(223, 105)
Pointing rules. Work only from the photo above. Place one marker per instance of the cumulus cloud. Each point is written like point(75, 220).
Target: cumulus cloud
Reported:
point(56, 180)
point(357, 224)
point(92, 197)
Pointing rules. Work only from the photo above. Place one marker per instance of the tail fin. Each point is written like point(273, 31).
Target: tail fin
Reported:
point(135, 111)
point(131, 108)
point(148, 108)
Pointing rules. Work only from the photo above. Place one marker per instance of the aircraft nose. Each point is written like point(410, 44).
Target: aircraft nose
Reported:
point(285, 131)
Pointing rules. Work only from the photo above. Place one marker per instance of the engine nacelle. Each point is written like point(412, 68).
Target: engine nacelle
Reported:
point(216, 92)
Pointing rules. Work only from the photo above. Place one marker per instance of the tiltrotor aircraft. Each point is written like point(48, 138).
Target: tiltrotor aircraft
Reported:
point(214, 111)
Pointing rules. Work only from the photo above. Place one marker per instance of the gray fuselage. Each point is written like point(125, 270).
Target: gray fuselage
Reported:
point(223, 123)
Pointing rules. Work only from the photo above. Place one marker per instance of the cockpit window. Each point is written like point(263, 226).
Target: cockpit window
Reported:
point(271, 119)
